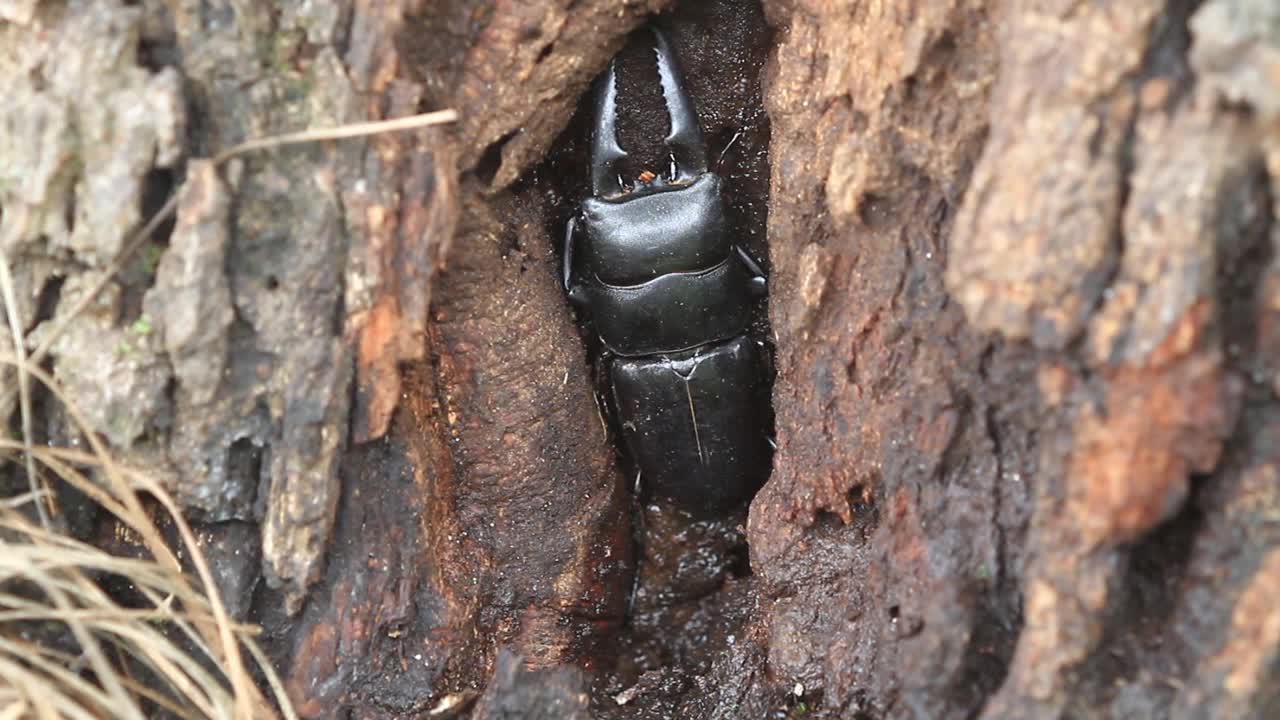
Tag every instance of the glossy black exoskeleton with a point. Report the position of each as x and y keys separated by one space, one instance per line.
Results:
x=670 y=295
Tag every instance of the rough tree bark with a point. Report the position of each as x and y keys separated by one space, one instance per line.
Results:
x=1025 y=306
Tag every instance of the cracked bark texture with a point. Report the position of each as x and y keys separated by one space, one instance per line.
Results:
x=1025 y=304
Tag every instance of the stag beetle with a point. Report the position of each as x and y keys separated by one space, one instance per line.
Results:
x=670 y=296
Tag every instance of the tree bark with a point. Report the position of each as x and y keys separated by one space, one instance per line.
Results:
x=1024 y=309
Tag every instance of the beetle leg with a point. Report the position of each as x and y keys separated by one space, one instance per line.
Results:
x=759 y=281
x=567 y=270
x=577 y=295
x=688 y=152
x=606 y=153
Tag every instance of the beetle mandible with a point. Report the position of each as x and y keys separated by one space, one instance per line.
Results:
x=670 y=296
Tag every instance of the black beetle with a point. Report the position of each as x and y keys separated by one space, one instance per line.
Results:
x=670 y=296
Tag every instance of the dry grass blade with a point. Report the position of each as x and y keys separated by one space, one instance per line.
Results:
x=12 y=708
x=10 y=298
x=378 y=127
x=56 y=663
x=39 y=669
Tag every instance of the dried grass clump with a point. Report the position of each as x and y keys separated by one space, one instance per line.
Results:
x=70 y=649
